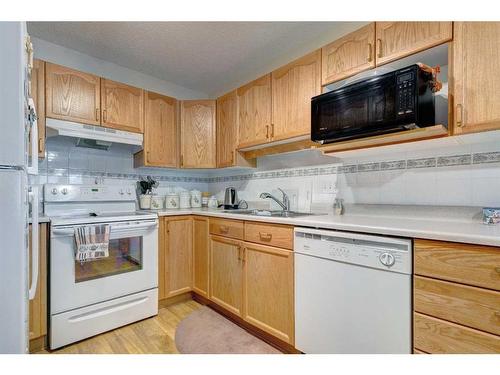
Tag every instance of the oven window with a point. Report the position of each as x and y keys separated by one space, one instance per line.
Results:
x=125 y=255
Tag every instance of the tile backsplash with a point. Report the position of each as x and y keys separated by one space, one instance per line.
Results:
x=455 y=176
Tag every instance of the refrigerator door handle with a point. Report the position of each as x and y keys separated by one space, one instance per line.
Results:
x=34 y=243
x=33 y=166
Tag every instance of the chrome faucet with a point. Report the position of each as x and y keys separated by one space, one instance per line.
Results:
x=285 y=205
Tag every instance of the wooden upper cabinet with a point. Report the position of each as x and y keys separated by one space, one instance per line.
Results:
x=227 y=129
x=293 y=86
x=72 y=95
x=198 y=147
x=122 y=106
x=349 y=55
x=475 y=75
x=254 y=112
x=38 y=95
x=399 y=39
x=160 y=132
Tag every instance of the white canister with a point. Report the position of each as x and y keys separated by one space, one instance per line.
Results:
x=185 y=199
x=157 y=202
x=145 y=201
x=195 y=198
x=213 y=203
x=172 y=201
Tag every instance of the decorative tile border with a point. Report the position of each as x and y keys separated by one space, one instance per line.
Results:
x=445 y=161
x=421 y=163
x=486 y=157
x=432 y=162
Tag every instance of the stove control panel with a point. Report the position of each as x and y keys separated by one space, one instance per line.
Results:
x=86 y=193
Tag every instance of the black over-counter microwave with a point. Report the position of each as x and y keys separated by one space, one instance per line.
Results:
x=387 y=103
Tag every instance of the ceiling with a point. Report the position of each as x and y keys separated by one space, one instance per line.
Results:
x=209 y=57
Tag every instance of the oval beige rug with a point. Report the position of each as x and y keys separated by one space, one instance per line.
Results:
x=206 y=332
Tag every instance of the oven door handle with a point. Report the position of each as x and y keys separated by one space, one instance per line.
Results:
x=114 y=229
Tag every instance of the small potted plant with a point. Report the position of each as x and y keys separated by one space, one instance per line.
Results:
x=145 y=187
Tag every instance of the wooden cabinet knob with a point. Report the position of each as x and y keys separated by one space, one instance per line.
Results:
x=224 y=229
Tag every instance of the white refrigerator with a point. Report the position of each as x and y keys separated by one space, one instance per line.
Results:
x=17 y=126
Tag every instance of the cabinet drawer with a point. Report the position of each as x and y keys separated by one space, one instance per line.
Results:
x=434 y=335
x=269 y=234
x=467 y=305
x=463 y=263
x=227 y=228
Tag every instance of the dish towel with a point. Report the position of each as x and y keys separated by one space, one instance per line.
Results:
x=92 y=242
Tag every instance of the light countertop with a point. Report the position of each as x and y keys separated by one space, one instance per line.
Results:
x=438 y=223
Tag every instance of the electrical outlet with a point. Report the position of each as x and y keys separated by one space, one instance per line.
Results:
x=327 y=185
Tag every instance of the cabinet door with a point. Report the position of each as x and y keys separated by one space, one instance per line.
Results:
x=122 y=106
x=254 y=112
x=72 y=95
x=200 y=255
x=198 y=145
x=38 y=95
x=226 y=274
x=179 y=256
x=400 y=39
x=38 y=305
x=349 y=55
x=160 y=131
x=227 y=129
x=268 y=290
x=475 y=72
x=293 y=86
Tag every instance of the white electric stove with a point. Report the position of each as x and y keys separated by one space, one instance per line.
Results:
x=96 y=296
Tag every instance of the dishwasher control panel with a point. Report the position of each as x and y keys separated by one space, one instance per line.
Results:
x=387 y=253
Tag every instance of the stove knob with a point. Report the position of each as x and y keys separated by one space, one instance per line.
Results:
x=64 y=191
x=121 y=192
x=54 y=191
x=129 y=192
x=387 y=259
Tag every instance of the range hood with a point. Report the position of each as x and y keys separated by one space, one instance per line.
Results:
x=91 y=136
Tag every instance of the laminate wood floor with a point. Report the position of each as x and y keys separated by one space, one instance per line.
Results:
x=150 y=336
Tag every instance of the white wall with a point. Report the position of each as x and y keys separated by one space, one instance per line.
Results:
x=64 y=56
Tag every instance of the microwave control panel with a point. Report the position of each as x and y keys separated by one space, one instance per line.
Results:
x=405 y=87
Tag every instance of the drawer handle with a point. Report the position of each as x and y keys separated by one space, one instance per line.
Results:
x=224 y=229
x=265 y=236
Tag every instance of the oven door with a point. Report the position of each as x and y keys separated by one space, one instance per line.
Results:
x=361 y=109
x=132 y=266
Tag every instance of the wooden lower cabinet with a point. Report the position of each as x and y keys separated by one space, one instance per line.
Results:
x=175 y=256
x=226 y=274
x=433 y=335
x=38 y=305
x=269 y=290
x=456 y=297
x=200 y=255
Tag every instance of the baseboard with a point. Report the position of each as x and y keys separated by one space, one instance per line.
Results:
x=175 y=299
x=39 y=344
x=264 y=336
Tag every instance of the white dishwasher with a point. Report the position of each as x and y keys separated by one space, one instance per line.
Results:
x=352 y=293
